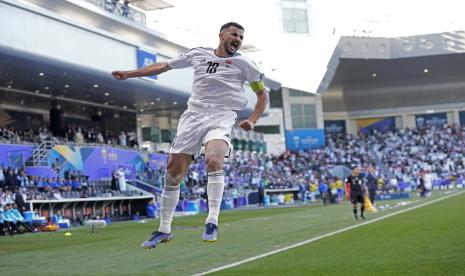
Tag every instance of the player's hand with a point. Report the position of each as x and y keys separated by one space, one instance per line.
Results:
x=120 y=75
x=246 y=125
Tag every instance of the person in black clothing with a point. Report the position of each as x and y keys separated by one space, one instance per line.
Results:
x=357 y=189
x=19 y=200
x=261 y=194
x=372 y=184
x=11 y=182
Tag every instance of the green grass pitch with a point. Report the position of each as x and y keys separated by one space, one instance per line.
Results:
x=429 y=240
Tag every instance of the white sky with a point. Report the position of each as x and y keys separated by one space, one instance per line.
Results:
x=300 y=61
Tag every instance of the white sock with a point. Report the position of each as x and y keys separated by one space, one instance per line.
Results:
x=169 y=201
x=215 y=189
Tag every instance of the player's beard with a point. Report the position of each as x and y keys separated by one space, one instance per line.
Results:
x=227 y=46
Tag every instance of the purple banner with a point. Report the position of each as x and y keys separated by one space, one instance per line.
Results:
x=14 y=156
x=97 y=162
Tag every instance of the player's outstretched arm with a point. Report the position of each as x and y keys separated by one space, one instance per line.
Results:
x=153 y=69
x=262 y=100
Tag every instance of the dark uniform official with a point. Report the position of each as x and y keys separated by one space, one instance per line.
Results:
x=357 y=189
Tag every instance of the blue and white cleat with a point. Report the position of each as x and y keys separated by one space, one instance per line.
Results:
x=157 y=238
x=211 y=231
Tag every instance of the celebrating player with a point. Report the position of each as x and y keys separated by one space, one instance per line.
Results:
x=217 y=94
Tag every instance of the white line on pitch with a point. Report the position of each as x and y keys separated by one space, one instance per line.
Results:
x=323 y=236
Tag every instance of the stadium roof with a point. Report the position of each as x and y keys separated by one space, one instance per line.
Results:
x=376 y=73
x=38 y=80
x=150 y=5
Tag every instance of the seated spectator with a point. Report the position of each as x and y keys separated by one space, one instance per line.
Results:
x=76 y=184
x=44 y=185
x=20 y=198
x=84 y=182
x=9 y=219
x=5 y=225
x=56 y=183
x=18 y=217
x=67 y=185
x=56 y=194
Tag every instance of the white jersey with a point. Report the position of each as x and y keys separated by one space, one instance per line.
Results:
x=218 y=82
x=428 y=181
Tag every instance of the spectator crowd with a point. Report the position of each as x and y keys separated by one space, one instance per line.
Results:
x=398 y=160
x=73 y=134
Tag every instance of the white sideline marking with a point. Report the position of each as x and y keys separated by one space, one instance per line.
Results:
x=323 y=236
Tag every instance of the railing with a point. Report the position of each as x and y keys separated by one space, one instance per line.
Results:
x=41 y=152
x=115 y=7
x=57 y=141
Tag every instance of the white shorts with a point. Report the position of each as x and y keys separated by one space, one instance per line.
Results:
x=197 y=127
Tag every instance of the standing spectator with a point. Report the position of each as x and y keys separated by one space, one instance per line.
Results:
x=394 y=183
x=281 y=199
x=125 y=11
x=234 y=194
x=132 y=139
x=324 y=192
x=79 y=137
x=372 y=184
x=100 y=138
x=2 y=178
x=121 y=179
x=114 y=179
x=56 y=167
x=261 y=193
x=23 y=180
x=122 y=139
x=11 y=182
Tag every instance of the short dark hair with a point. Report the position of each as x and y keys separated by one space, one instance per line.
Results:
x=231 y=24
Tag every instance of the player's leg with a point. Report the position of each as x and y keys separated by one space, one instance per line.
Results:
x=354 y=210
x=178 y=163
x=361 y=200
x=217 y=144
x=215 y=151
x=353 y=200
x=372 y=195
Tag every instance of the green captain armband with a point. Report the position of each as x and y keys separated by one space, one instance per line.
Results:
x=257 y=86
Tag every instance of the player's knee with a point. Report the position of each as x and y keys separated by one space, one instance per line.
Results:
x=172 y=180
x=214 y=162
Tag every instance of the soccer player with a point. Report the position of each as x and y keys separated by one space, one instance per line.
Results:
x=357 y=188
x=217 y=94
